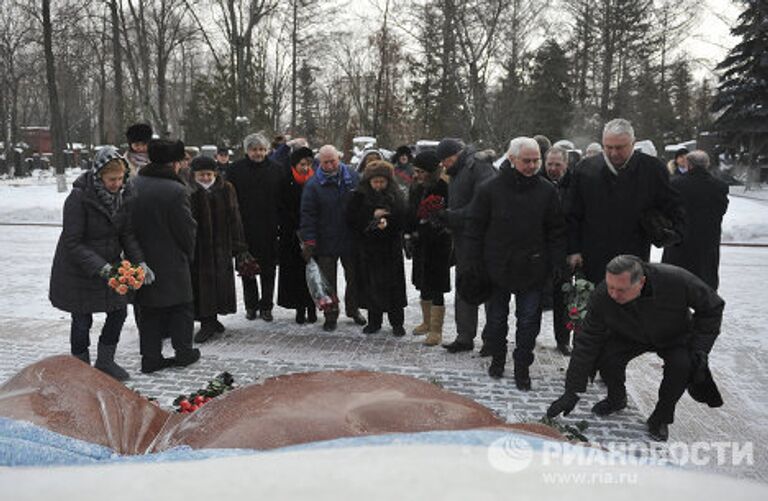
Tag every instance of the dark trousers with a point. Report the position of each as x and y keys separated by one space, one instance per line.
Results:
x=619 y=352
x=396 y=317
x=177 y=321
x=464 y=313
x=328 y=267
x=80 y=330
x=559 y=314
x=527 y=324
x=254 y=301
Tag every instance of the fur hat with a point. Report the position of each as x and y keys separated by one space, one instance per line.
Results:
x=378 y=168
x=163 y=151
x=403 y=150
x=222 y=150
x=202 y=163
x=300 y=154
x=104 y=156
x=681 y=152
x=139 y=133
x=427 y=161
x=448 y=147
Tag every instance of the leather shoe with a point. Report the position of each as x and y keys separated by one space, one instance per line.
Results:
x=371 y=329
x=398 y=331
x=605 y=407
x=329 y=325
x=523 y=379
x=149 y=365
x=205 y=333
x=658 y=431
x=266 y=315
x=456 y=347
x=219 y=327
x=250 y=314
x=358 y=318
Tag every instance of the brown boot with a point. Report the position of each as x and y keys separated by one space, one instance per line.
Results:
x=436 y=318
x=420 y=330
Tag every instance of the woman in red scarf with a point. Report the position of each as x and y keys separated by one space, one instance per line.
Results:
x=292 y=289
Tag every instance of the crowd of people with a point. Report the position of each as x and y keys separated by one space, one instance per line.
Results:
x=521 y=229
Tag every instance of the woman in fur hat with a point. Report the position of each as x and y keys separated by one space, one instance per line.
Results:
x=376 y=214
x=138 y=136
x=219 y=239
x=95 y=234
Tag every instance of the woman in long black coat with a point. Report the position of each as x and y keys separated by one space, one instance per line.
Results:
x=96 y=231
x=292 y=289
x=376 y=214
x=219 y=239
x=429 y=244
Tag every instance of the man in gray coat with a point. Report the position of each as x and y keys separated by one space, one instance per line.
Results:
x=467 y=170
x=166 y=231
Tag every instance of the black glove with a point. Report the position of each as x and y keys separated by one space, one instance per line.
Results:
x=669 y=238
x=564 y=405
x=243 y=258
x=699 y=366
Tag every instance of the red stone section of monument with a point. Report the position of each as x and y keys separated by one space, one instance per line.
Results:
x=65 y=395
x=308 y=407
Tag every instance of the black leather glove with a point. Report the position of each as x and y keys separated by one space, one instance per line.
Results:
x=699 y=366
x=564 y=405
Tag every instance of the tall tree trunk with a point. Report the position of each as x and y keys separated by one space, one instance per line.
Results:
x=294 y=43
x=57 y=133
x=608 y=53
x=117 y=63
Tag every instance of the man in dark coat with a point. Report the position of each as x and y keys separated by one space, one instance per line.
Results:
x=467 y=170
x=292 y=291
x=705 y=200
x=219 y=239
x=611 y=196
x=257 y=181
x=165 y=230
x=642 y=308
x=324 y=231
x=556 y=170
x=516 y=227
x=222 y=161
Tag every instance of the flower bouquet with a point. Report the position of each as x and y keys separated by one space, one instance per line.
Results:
x=319 y=290
x=577 y=292
x=429 y=207
x=125 y=276
x=222 y=383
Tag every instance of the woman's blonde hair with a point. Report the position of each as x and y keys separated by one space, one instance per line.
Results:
x=114 y=165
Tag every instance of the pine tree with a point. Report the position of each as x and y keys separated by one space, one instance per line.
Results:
x=308 y=110
x=683 y=127
x=742 y=95
x=549 y=98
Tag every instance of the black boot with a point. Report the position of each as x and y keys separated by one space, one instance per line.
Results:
x=266 y=315
x=311 y=314
x=657 y=430
x=219 y=327
x=84 y=356
x=300 y=316
x=105 y=362
x=522 y=379
x=329 y=325
x=371 y=328
x=187 y=357
x=398 y=331
x=250 y=314
x=152 y=364
x=496 y=370
x=607 y=406
x=206 y=332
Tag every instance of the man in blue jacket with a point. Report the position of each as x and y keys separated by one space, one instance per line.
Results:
x=323 y=228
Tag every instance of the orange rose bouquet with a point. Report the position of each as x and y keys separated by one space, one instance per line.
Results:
x=125 y=277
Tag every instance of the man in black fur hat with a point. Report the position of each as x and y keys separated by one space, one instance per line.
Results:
x=165 y=230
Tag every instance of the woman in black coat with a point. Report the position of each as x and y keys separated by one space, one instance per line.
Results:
x=219 y=239
x=292 y=289
x=429 y=244
x=376 y=214
x=96 y=231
